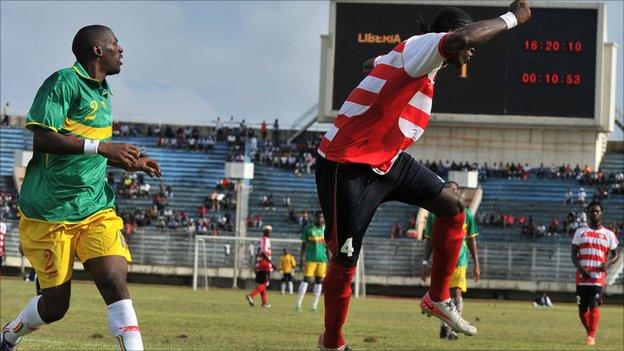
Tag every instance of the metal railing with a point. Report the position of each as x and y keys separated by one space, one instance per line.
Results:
x=533 y=262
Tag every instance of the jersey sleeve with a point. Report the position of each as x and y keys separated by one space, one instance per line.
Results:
x=613 y=241
x=304 y=233
x=472 y=224
x=428 y=233
x=51 y=104
x=576 y=237
x=264 y=245
x=423 y=54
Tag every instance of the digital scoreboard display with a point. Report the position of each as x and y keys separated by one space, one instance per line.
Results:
x=546 y=67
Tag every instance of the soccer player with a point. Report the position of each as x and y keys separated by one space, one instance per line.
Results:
x=3 y=230
x=361 y=162
x=287 y=266
x=67 y=208
x=264 y=267
x=591 y=247
x=315 y=250
x=458 y=278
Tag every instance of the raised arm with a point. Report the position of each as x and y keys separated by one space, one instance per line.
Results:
x=480 y=32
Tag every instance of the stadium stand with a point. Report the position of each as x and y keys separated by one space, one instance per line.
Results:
x=193 y=175
x=612 y=162
x=12 y=139
x=302 y=191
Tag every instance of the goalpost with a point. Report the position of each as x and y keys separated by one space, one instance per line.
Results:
x=234 y=258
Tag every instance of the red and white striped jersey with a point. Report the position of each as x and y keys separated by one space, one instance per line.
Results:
x=390 y=108
x=594 y=246
x=264 y=245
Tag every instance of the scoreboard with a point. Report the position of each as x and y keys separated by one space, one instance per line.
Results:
x=549 y=67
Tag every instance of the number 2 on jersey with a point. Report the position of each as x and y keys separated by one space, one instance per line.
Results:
x=347 y=247
x=94 y=108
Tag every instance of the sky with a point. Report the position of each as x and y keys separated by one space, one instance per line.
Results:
x=189 y=62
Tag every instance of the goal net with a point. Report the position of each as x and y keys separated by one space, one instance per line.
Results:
x=234 y=258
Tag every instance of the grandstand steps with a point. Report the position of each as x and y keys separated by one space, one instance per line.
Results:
x=302 y=192
x=612 y=162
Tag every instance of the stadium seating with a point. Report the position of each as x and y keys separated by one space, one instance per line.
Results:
x=612 y=162
x=302 y=191
x=12 y=139
x=540 y=198
x=191 y=175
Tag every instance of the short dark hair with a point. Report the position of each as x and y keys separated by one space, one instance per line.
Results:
x=88 y=36
x=594 y=203
x=450 y=19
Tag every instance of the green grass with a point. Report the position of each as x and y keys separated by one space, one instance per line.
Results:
x=177 y=318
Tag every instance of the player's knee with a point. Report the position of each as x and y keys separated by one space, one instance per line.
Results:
x=318 y=280
x=54 y=309
x=309 y=280
x=451 y=204
x=114 y=286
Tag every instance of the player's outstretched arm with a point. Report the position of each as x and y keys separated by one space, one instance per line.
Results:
x=54 y=143
x=480 y=32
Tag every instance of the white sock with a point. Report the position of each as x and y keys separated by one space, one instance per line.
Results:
x=317 y=295
x=123 y=324
x=283 y=288
x=303 y=288
x=26 y=322
x=290 y=287
x=459 y=304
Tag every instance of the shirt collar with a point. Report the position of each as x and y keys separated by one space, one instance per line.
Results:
x=82 y=73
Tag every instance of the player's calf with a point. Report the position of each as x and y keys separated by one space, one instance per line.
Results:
x=123 y=324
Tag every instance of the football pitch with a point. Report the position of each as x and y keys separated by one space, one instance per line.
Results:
x=177 y=318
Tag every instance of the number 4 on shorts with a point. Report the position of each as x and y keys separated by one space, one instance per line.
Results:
x=347 y=247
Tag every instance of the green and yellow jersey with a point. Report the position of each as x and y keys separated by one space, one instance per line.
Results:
x=470 y=231
x=314 y=238
x=69 y=188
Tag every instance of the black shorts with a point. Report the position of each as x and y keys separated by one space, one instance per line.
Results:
x=588 y=296
x=287 y=277
x=263 y=277
x=349 y=194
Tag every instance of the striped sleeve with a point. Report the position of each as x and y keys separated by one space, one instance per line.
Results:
x=421 y=55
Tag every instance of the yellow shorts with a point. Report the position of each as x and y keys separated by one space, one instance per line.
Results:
x=52 y=247
x=458 y=279
x=315 y=269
